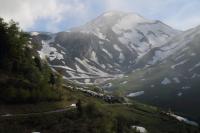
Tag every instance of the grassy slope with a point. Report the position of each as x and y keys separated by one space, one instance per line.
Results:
x=100 y=118
x=70 y=97
x=164 y=96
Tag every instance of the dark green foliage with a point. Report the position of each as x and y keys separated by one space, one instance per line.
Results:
x=79 y=107
x=38 y=63
x=52 y=79
x=23 y=76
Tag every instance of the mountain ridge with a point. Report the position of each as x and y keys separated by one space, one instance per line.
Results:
x=107 y=46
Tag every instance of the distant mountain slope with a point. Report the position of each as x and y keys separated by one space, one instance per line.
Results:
x=105 y=47
x=169 y=75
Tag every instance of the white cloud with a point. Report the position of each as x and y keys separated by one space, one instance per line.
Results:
x=180 y=14
x=27 y=12
x=186 y=17
x=145 y=6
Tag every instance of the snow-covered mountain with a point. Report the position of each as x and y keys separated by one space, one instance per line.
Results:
x=129 y=30
x=177 y=46
x=107 y=46
x=168 y=76
x=143 y=58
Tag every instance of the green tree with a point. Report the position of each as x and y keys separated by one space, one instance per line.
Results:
x=31 y=79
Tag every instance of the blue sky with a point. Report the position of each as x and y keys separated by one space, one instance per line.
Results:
x=59 y=15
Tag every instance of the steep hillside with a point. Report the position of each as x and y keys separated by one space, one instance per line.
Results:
x=168 y=76
x=107 y=46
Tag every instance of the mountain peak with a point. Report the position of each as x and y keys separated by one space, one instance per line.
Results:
x=120 y=15
x=112 y=13
x=111 y=18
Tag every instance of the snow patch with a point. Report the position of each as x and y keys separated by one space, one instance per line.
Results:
x=194 y=67
x=121 y=57
x=90 y=68
x=139 y=129
x=48 y=51
x=100 y=42
x=109 y=54
x=116 y=47
x=185 y=87
x=99 y=34
x=178 y=64
x=108 y=14
x=152 y=86
x=166 y=81
x=135 y=94
x=182 y=119
x=94 y=57
x=193 y=54
x=63 y=67
x=108 y=85
x=124 y=82
x=176 y=80
x=128 y=22
x=87 y=81
x=34 y=33
x=179 y=57
x=79 y=69
x=195 y=75
x=180 y=94
x=73 y=105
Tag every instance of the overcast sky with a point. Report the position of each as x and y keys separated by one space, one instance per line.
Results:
x=59 y=15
